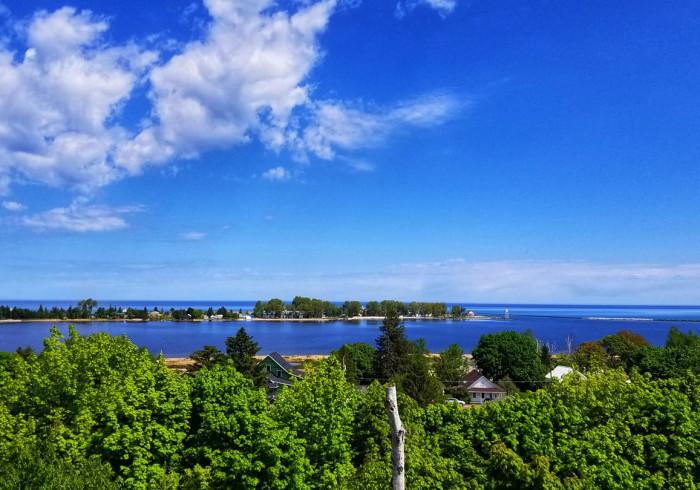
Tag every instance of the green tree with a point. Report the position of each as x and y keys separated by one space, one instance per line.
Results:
x=622 y=347
x=319 y=409
x=510 y=354
x=457 y=311
x=37 y=468
x=373 y=309
x=207 y=357
x=101 y=396
x=242 y=349
x=590 y=356
x=87 y=305
x=234 y=442
x=451 y=366
x=546 y=357
x=419 y=381
x=668 y=362
x=392 y=357
x=358 y=362
x=676 y=338
x=352 y=308
x=275 y=307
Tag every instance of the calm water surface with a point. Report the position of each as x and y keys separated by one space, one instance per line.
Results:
x=548 y=323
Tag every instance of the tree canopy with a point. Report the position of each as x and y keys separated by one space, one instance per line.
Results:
x=98 y=412
x=510 y=354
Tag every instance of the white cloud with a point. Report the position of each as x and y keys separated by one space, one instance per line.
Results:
x=245 y=79
x=483 y=282
x=443 y=7
x=13 y=206
x=358 y=165
x=193 y=236
x=277 y=174
x=338 y=125
x=80 y=216
x=242 y=81
x=57 y=101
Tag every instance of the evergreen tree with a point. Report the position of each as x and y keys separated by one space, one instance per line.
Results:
x=208 y=357
x=357 y=361
x=242 y=350
x=393 y=348
x=419 y=382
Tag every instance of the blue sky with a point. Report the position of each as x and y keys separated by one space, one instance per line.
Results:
x=490 y=151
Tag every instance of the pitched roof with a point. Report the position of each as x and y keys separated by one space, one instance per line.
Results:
x=559 y=372
x=478 y=383
x=283 y=363
x=472 y=376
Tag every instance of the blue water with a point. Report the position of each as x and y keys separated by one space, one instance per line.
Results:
x=549 y=323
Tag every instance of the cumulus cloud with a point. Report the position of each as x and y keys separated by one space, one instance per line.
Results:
x=277 y=174
x=442 y=7
x=80 y=216
x=242 y=81
x=193 y=236
x=57 y=100
x=245 y=79
x=13 y=206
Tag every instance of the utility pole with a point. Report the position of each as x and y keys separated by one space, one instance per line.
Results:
x=398 y=434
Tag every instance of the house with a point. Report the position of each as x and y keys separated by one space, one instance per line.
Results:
x=481 y=389
x=279 y=371
x=559 y=372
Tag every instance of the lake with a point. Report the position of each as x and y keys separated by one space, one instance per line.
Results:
x=549 y=323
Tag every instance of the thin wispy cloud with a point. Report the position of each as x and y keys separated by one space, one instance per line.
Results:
x=193 y=236
x=495 y=281
x=507 y=281
x=339 y=125
x=13 y=206
x=442 y=7
x=80 y=216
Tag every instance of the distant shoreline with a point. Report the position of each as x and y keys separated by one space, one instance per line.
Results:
x=244 y=320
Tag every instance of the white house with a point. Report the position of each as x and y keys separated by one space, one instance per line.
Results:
x=481 y=389
x=559 y=372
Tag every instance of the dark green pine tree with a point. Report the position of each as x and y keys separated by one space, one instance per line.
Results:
x=242 y=349
x=393 y=348
x=208 y=357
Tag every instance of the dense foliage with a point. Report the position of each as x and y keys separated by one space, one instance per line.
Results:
x=511 y=355
x=302 y=307
x=98 y=412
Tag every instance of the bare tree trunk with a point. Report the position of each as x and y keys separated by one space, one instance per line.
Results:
x=398 y=434
x=569 y=343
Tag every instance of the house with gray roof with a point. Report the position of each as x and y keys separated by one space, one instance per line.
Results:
x=481 y=389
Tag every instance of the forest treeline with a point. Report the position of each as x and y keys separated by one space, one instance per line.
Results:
x=300 y=307
x=88 y=309
x=99 y=412
x=303 y=307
